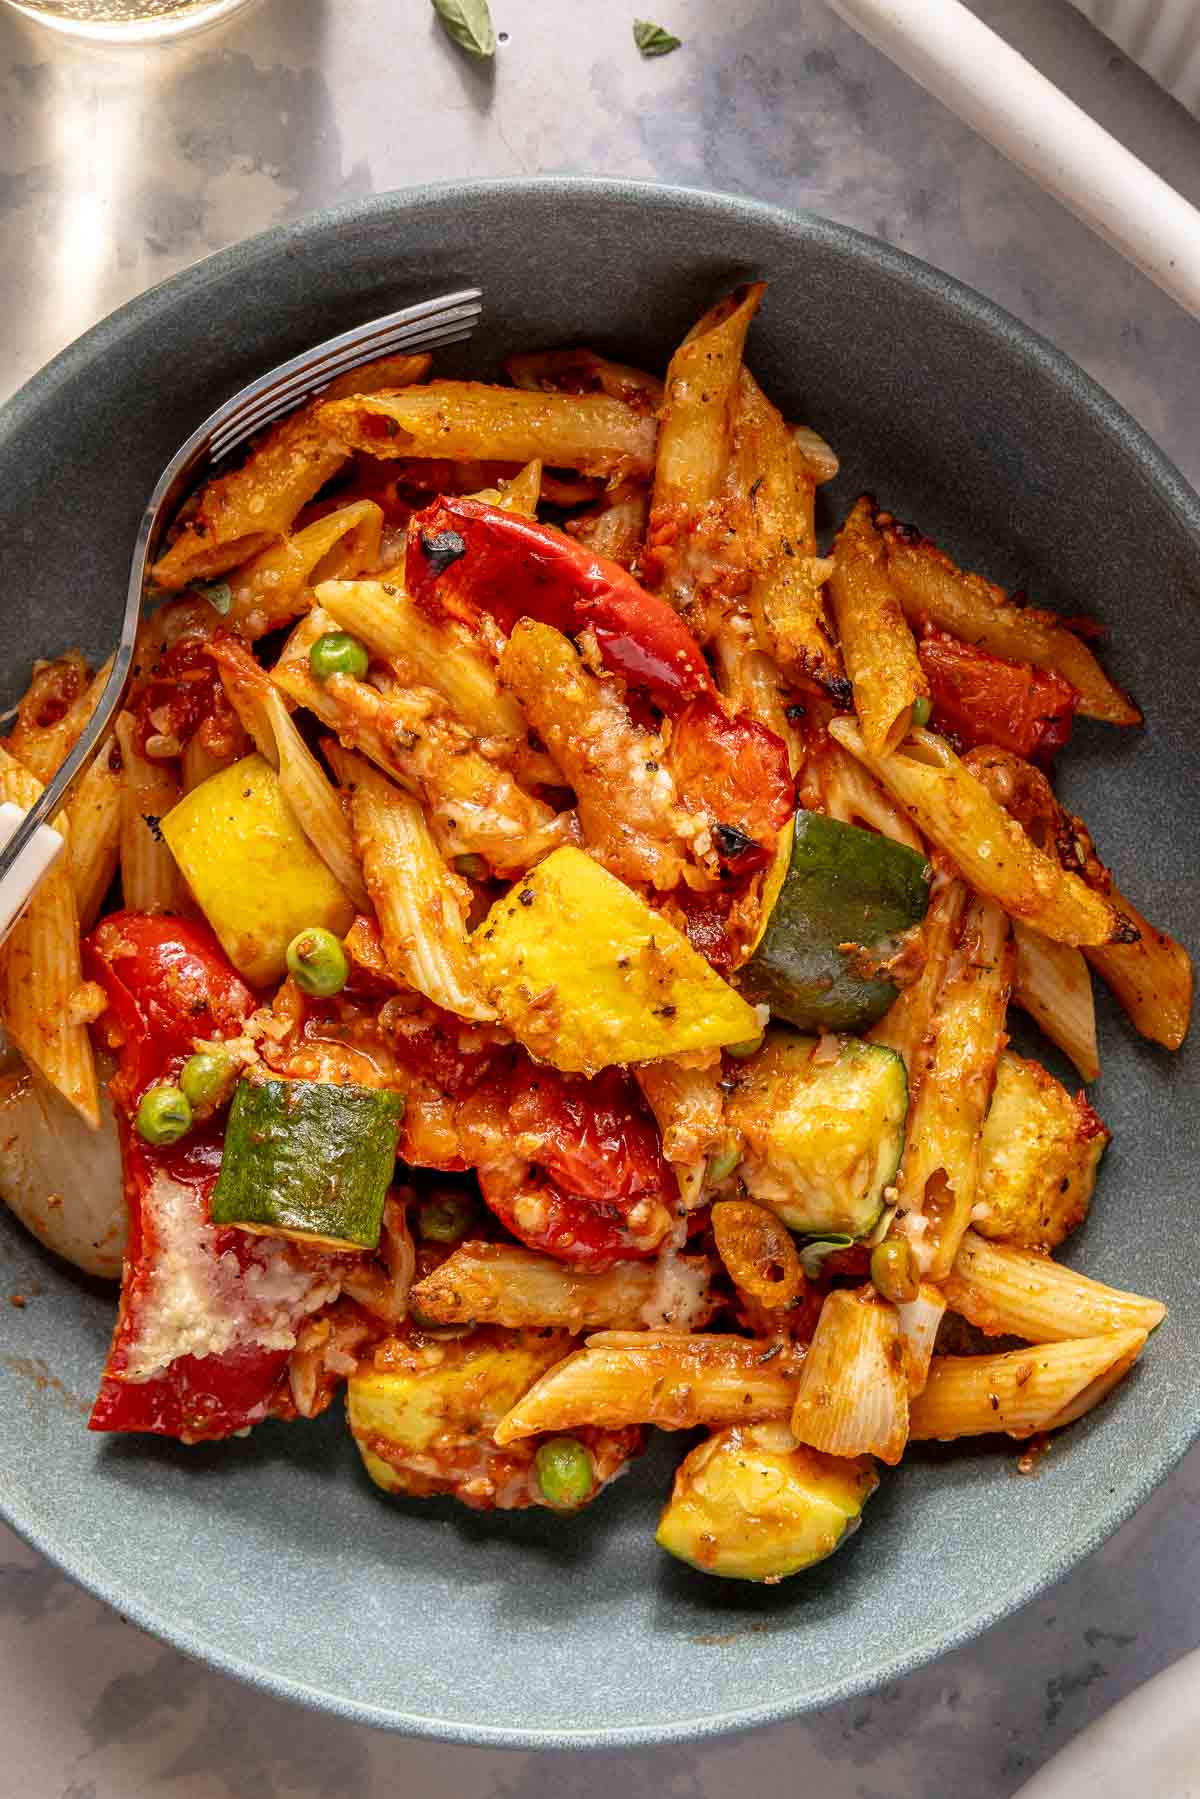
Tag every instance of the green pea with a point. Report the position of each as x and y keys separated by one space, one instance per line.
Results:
x=922 y=708
x=894 y=1270
x=471 y=867
x=722 y=1164
x=337 y=653
x=164 y=1115
x=564 y=1471
x=445 y=1217
x=205 y=1076
x=749 y=1046
x=317 y=962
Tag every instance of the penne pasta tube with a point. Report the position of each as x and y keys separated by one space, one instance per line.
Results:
x=853 y=796
x=688 y=1107
x=696 y=433
x=1052 y=983
x=198 y=762
x=237 y=515
x=1151 y=980
x=1007 y=1291
x=877 y=644
x=852 y=1397
x=616 y=526
x=929 y=586
x=673 y=1379
x=497 y=1283
x=1023 y=1391
x=775 y=486
x=94 y=844
x=472 y=421
x=908 y=1024
x=425 y=654
x=474 y=806
x=422 y=907
x=53 y=712
x=940 y=1172
x=753 y=683
x=955 y=811
x=273 y=588
x=583 y=371
x=41 y=972
x=150 y=879
x=920 y=1319
x=311 y=795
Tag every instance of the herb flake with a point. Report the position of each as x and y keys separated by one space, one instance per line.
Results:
x=219 y=595
x=653 y=40
x=469 y=24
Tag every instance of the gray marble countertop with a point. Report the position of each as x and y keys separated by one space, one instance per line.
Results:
x=116 y=169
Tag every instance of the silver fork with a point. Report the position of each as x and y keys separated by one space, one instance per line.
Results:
x=31 y=848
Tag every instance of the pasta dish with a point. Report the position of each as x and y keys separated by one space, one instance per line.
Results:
x=534 y=962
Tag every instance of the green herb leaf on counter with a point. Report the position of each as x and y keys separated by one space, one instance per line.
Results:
x=651 y=40
x=469 y=23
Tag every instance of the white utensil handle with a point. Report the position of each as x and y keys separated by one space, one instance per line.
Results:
x=38 y=857
x=990 y=85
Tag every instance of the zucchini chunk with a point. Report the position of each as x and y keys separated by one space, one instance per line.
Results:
x=585 y=974
x=309 y=1160
x=750 y=1503
x=424 y=1412
x=1038 y=1158
x=838 y=919
x=822 y=1137
x=254 y=874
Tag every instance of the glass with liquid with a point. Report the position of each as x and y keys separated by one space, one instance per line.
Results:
x=128 y=21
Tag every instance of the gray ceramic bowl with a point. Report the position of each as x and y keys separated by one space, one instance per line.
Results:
x=273 y=1558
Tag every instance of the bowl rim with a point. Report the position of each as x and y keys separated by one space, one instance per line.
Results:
x=1158 y=474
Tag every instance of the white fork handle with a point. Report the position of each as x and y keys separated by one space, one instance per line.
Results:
x=992 y=87
x=35 y=860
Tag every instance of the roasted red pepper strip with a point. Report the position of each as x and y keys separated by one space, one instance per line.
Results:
x=465 y=557
x=979 y=698
x=599 y=1189
x=167 y=981
x=737 y=772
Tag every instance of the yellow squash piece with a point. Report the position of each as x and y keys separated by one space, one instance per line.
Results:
x=1038 y=1158
x=585 y=974
x=424 y=1423
x=253 y=872
x=750 y=1503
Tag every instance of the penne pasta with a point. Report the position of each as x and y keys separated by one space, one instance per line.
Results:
x=474 y=806
x=673 y=1379
x=236 y=515
x=53 y=712
x=310 y=794
x=954 y=810
x=1052 y=983
x=877 y=644
x=1023 y=1391
x=628 y=807
x=583 y=371
x=920 y=1320
x=150 y=879
x=198 y=762
x=852 y=1397
x=94 y=845
x=497 y=1283
x=775 y=485
x=908 y=1025
x=1151 y=980
x=929 y=586
x=471 y=421
x=696 y=434
x=688 y=1107
x=940 y=1171
x=1007 y=1291
x=40 y=970
x=422 y=907
x=424 y=654
x=274 y=587
x=851 y=795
